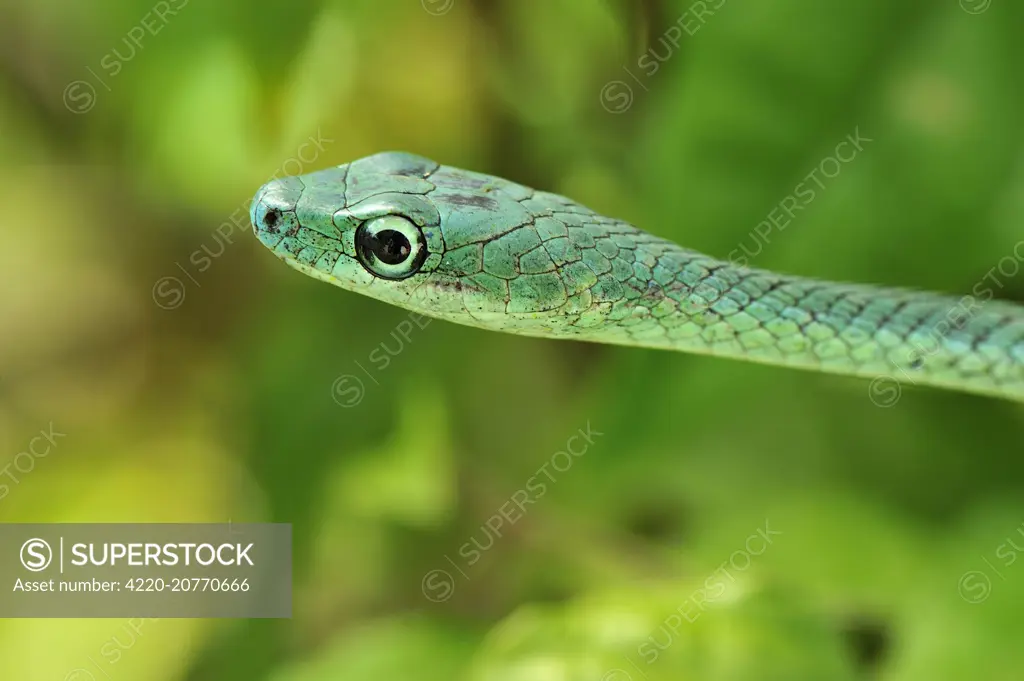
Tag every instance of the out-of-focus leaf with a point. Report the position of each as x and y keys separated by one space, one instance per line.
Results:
x=550 y=81
x=665 y=634
x=384 y=650
x=411 y=478
x=205 y=151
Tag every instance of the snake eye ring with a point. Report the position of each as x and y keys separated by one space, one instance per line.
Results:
x=390 y=247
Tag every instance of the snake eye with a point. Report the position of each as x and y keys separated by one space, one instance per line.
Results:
x=390 y=247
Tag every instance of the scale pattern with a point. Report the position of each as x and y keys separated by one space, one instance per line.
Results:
x=509 y=258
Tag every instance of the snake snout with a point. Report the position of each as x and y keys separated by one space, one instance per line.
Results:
x=273 y=212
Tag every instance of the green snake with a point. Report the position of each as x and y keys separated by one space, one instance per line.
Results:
x=486 y=252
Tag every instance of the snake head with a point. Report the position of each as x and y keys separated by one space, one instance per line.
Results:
x=401 y=228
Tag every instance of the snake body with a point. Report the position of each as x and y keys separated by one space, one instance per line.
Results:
x=486 y=252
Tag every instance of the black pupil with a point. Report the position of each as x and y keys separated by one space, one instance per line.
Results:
x=391 y=247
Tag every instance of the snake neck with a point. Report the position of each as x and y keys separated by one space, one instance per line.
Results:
x=683 y=300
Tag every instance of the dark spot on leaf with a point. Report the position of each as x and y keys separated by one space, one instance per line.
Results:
x=658 y=522
x=869 y=640
x=554 y=589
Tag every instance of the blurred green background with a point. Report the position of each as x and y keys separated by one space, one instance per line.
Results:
x=725 y=521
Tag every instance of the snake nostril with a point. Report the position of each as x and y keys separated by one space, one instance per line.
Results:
x=271 y=219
